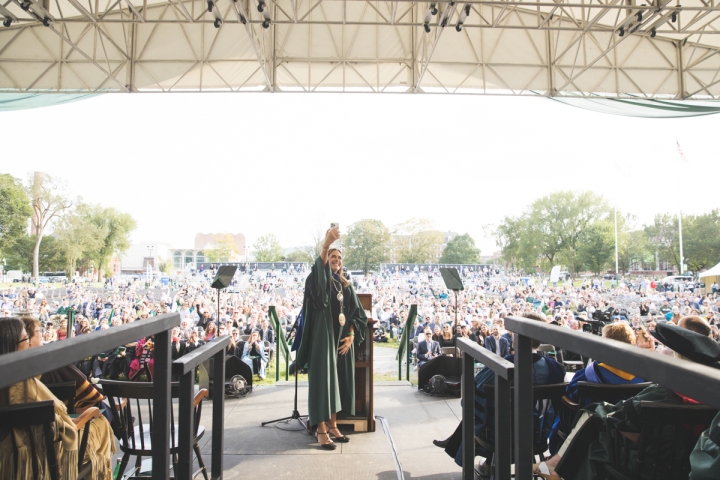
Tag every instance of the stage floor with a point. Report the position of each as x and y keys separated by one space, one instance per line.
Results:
x=414 y=420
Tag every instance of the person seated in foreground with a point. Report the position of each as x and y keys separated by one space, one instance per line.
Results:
x=546 y=371
x=599 y=372
x=101 y=444
x=584 y=458
x=427 y=349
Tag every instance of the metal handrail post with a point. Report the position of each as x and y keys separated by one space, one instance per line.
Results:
x=468 y=417
x=160 y=434
x=185 y=367
x=523 y=407
x=186 y=426
x=503 y=375
x=218 y=433
x=503 y=439
x=412 y=315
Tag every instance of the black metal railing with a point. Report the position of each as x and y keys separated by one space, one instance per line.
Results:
x=18 y=366
x=185 y=367
x=697 y=381
x=503 y=379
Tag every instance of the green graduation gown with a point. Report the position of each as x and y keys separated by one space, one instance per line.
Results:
x=331 y=376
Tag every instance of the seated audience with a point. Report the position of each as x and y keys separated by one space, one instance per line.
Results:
x=427 y=349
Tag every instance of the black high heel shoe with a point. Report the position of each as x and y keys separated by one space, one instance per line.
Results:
x=341 y=438
x=328 y=446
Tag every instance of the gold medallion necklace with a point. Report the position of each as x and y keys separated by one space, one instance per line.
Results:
x=340 y=297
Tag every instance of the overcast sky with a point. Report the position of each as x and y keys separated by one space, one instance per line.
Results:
x=291 y=163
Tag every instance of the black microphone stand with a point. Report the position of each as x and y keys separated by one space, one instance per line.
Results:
x=301 y=419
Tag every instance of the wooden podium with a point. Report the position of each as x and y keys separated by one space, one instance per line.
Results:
x=364 y=418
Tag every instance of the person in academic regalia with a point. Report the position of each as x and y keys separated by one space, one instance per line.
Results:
x=584 y=453
x=334 y=324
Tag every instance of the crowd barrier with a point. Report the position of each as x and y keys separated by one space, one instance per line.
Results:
x=694 y=380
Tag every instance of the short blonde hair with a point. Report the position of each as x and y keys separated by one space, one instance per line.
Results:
x=620 y=331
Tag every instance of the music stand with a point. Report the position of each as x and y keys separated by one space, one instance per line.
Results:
x=453 y=282
x=222 y=280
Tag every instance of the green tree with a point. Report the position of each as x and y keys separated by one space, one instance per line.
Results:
x=50 y=259
x=116 y=227
x=365 y=245
x=300 y=255
x=551 y=227
x=701 y=240
x=223 y=250
x=15 y=211
x=77 y=236
x=596 y=246
x=48 y=201
x=165 y=266
x=518 y=251
x=417 y=241
x=662 y=236
x=268 y=249
x=461 y=249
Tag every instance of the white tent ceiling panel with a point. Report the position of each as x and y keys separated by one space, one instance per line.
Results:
x=28 y=46
x=26 y=73
x=161 y=47
x=292 y=41
x=212 y=80
x=162 y=75
x=232 y=43
x=703 y=83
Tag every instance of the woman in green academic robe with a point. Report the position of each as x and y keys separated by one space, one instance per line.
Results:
x=334 y=324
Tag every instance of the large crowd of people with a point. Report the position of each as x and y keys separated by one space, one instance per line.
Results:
x=241 y=312
x=481 y=307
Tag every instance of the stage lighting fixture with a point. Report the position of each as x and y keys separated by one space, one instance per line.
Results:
x=9 y=17
x=659 y=22
x=212 y=8
x=463 y=16
x=433 y=8
x=36 y=11
x=262 y=8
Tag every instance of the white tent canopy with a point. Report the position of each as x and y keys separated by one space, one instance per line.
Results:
x=560 y=48
x=713 y=272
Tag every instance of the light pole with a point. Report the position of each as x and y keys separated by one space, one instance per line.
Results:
x=150 y=265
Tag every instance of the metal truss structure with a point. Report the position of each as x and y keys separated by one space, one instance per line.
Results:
x=605 y=48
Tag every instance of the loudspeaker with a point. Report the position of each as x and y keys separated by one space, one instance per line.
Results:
x=224 y=276
x=449 y=367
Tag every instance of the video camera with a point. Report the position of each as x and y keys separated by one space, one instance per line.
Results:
x=596 y=324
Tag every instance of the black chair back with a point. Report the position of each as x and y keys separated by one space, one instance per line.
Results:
x=33 y=414
x=65 y=392
x=668 y=435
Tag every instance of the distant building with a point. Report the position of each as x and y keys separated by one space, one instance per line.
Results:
x=137 y=258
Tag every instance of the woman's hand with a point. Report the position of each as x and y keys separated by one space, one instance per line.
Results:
x=345 y=345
